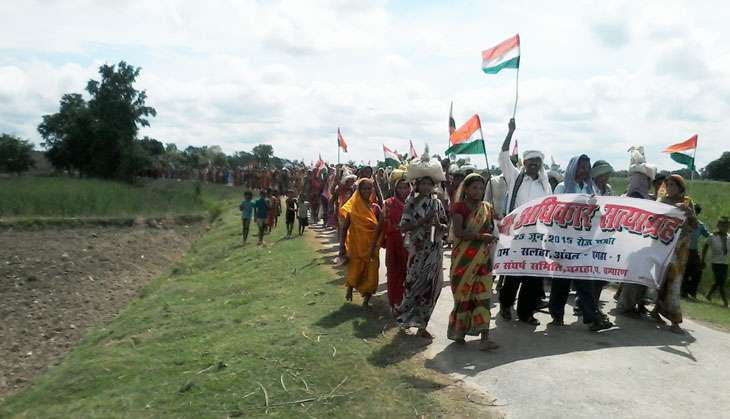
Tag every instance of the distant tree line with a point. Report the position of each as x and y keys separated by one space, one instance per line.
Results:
x=98 y=137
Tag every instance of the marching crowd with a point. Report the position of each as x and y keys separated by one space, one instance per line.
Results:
x=417 y=210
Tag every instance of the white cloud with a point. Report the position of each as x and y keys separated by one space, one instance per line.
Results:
x=596 y=77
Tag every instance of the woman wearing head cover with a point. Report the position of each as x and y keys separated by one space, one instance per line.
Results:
x=577 y=180
x=423 y=222
x=600 y=173
x=396 y=255
x=631 y=297
x=358 y=232
x=668 y=296
x=471 y=263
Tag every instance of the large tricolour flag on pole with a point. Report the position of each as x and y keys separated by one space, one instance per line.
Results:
x=504 y=55
x=341 y=141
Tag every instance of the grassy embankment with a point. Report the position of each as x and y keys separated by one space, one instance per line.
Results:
x=242 y=332
x=29 y=196
x=714 y=198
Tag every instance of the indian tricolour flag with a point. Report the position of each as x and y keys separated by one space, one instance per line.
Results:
x=504 y=55
x=391 y=157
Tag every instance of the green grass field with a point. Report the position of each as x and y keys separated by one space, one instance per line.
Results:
x=29 y=196
x=231 y=330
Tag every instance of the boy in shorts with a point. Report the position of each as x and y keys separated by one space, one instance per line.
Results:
x=246 y=208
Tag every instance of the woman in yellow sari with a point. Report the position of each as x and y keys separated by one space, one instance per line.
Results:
x=471 y=263
x=358 y=232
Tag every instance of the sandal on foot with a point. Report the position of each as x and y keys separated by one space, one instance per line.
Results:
x=488 y=346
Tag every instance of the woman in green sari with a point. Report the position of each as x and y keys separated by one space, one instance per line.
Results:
x=471 y=263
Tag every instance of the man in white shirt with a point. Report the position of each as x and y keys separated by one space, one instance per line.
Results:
x=522 y=186
x=718 y=243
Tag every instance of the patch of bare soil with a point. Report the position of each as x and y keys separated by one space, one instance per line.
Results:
x=57 y=283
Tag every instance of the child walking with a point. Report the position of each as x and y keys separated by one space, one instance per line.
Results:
x=291 y=212
x=303 y=213
x=246 y=208
x=261 y=212
x=718 y=244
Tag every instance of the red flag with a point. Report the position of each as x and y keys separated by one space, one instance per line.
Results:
x=465 y=131
x=690 y=144
x=412 y=152
x=341 y=141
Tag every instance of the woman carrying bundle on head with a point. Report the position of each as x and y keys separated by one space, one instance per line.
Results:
x=424 y=222
x=471 y=263
x=668 y=296
x=358 y=232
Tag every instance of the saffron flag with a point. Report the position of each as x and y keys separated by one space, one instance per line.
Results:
x=412 y=152
x=690 y=144
x=341 y=141
x=466 y=131
x=504 y=55
x=391 y=157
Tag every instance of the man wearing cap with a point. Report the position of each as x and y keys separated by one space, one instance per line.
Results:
x=522 y=186
x=718 y=243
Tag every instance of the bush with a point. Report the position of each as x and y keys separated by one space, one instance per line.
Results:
x=15 y=154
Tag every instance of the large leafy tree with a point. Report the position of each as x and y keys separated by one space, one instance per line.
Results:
x=263 y=153
x=99 y=137
x=719 y=169
x=15 y=154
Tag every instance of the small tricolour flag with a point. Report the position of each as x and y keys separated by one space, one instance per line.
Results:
x=466 y=131
x=412 y=152
x=504 y=55
x=682 y=158
x=341 y=141
x=391 y=157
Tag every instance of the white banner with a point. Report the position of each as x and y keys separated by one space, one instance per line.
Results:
x=589 y=237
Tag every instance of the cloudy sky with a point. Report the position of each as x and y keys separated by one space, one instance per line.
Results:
x=596 y=77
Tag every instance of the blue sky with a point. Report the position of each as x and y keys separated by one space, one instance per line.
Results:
x=596 y=77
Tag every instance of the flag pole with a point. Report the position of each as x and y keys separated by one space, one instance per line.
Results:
x=517 y=90
x=451 y=111
x=694 y=164
x=486 y=159
x=338 y=145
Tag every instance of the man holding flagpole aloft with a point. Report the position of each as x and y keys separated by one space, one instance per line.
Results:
x=522 y=186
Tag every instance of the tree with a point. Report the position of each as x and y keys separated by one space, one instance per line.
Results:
x=719 y=169
x=68 y=135
x=15 y=154
x=263 y=153
x=99 y=137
